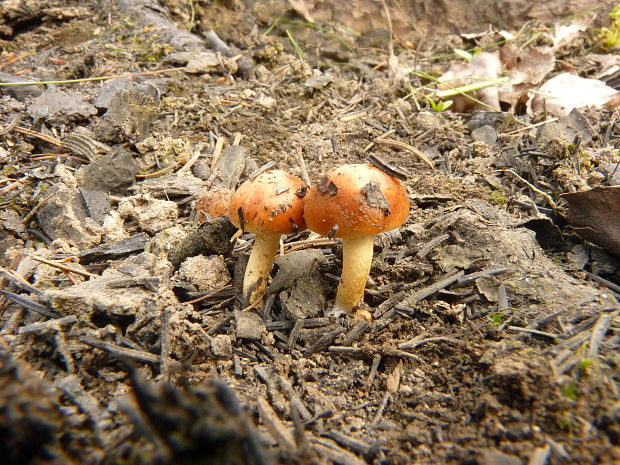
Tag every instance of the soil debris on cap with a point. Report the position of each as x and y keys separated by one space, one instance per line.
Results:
x=375 y=198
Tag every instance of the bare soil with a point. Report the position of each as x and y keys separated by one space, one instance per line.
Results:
x=124 y=339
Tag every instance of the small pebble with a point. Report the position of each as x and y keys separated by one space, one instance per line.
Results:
x=486 y=134
x=249 y=325
x=221 y=346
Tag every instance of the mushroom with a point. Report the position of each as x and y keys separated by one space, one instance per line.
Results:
x=213 y=204
x=269 y=205
x=355 y=202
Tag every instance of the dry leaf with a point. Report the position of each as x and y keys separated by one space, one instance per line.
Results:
x=482 y=67
x=564 y=35
x=527 y=69
x=301 y=7
x=595 y=216
x=393 y=379
x=561 y=94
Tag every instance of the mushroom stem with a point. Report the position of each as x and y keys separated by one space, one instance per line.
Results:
x=356 y=262
x=260 y=262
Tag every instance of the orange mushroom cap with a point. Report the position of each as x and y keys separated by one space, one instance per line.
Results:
x=215 y=203
x=271 y=202
x=359 y=199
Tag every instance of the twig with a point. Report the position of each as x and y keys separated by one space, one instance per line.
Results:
x=610 y=128
x=547 y=197
x=63 y=350
x=349 y=442
x=335 y=453
x=208 y=295
x=288 y=324
x=18 y=280
x=351 y=351
x=213 y=330
x=165 y=343
x=307 y=244
x=431 y=245
x=613 y=286
x=13 y=185
x=36 y=134
x=28 y=304
x=187 y=166
x=267 y=166
x=37 y=207
x=534 y=332
x=72 y=387
x=598 y=333
x=49 y=325
x=371 y=144
x=13 y=322
x=415 y=342
x=320 y=415
x=381 y=409
x=296 y=403
x=157 y=173
x=215 y=157
x=62 y=267
x=373 y=369
x=299 y=429
x=9 y=126
x=292 y=338
x=237 y=138
x=356 y=332
x=471 y=277
x=276 y=429
x=324 y=341
x=15 y=59
x=302 y=167
x=383 y=308
x=404 y=146
x=430 y=290
x=256 y=302
x=91 y=79
x=525 y=128
x=121 y=352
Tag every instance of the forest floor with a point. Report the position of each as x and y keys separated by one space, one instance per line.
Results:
x=495 y=333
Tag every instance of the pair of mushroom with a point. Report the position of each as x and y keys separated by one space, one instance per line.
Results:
x=353 y=202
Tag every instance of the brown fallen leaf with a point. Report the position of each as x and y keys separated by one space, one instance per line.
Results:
x=302 y=7
x=560 y=94
x=595 y=216
x=482 y=67
x=526 y=70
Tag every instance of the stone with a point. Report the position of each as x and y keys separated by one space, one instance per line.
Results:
x=65 y=216
x=58 y=107
x=221 y=346
x=19 y=92
x=151 y=215
x=486 y=134
x=206 y=273
x=109 y=173
x=114 y=86
x=495 y=457
x=196 y=62
x=249 y=325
